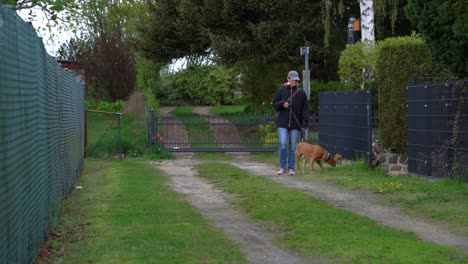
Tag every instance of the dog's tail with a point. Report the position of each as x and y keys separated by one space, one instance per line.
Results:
x=298 y=155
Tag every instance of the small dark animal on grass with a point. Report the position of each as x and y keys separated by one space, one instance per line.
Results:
x=313 y=153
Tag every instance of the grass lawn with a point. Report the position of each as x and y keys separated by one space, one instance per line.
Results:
x=227 y=110
x=443 y=202
x=127 y=217
x=314 y=228
x=103 y=135
x=182 y=110
x=126 y=213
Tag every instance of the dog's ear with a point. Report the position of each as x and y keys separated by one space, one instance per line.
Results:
x=338 y=158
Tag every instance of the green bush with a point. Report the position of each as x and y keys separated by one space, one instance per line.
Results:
x=268 y=134
x=156 y=152
x=399 y=58
x=264 y=107
x=353 y=60
x=200 y=85
x=259 y=81
x=151 y=101
x=116 y=106
x=148 y=80
x=317 y=87
x=96 y=92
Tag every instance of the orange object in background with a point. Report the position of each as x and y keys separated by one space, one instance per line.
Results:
x=357 y=25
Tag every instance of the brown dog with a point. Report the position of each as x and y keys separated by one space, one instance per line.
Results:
x=313 y=153
x=338 y=158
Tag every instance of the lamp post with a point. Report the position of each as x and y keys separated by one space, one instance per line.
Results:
x=306 y=73
x=306 y=80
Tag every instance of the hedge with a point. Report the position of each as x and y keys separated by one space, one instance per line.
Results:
x=399 y=58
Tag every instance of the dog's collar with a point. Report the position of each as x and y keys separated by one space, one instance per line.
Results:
x=328 y=157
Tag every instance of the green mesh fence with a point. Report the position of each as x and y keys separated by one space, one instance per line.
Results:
x=41 y=139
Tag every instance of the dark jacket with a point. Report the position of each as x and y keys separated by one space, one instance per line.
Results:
x=298 y=111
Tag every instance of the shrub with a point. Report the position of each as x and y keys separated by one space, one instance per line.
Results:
x=356 y=67
x=147 y=80
x=268 y=134
x=156 y=152
x=200 y=85
x=259 y=81
x=116 y=106
x=317 y=87
x=399 y=58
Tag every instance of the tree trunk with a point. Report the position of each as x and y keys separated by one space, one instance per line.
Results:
x=367 y=20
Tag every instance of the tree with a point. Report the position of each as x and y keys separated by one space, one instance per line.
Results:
x=266 y=31
x=109 y=63
x=176 y=30
x=71 y=50
x=235 y=31
x=444 y=26
x=199 y=85
x=367 y=20
x=50 y=7
x=105 y=46
x=389 y=19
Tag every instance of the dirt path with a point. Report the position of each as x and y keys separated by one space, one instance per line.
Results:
x=174 y=136
x=360 y=203
x=255 y=241
x=201 y=110
x=226 y=134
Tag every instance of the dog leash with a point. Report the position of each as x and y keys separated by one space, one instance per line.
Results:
x=292 y=95
x=302 y=132
x=297 y=121
x=295 y=118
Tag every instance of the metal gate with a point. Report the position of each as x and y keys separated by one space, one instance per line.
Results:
x=211 y=133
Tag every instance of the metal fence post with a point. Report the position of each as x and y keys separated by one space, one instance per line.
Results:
x=369 y=128
x=153 y=129
x=306 y=84
x=413 y=79
x=120 y=137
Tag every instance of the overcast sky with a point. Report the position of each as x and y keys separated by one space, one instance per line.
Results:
x=52 y=38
